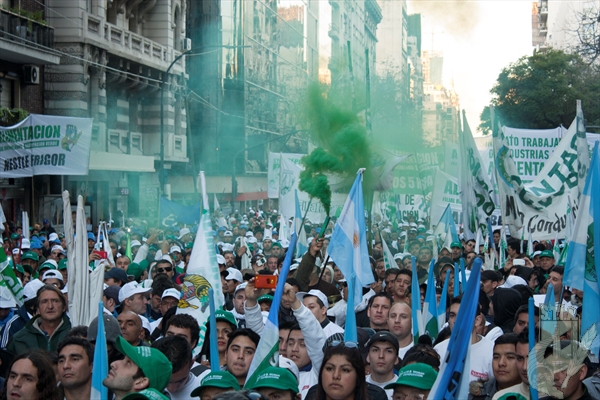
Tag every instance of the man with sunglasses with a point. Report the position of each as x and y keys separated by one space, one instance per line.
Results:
x=164 y=266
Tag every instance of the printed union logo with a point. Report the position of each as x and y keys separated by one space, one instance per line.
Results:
x=72 y=135
x=552 y=359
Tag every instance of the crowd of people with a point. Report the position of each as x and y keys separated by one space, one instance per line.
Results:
x=154 y=351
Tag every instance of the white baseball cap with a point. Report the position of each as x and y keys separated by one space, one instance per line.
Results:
x=52 y=274
x=234 y=274
x=25 y=244
x=7 y=303
x=171 y=293
x=183 y=232
x=30 y=290
x=53 y=237
x=220 y=259
x=313 y=292
x=135 y=243
x=57 y=247
x=130 y=289
x=175 y=249
x=239 y=287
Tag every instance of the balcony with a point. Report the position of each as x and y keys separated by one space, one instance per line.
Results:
x=24 y=40
x=543 y=27
x=130 y=45
x=334 y=31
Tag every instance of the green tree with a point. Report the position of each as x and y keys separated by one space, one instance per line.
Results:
x=540 y=91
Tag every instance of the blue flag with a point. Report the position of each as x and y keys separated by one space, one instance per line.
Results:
x=443 y=301
x=302 y=246
x=100 y=368
x=415 y=299
x=583 y=268
x=172 y=213
x=452 y=382
x=268 y=347
x=348 y=244
x=430 y=313
x=447 y=224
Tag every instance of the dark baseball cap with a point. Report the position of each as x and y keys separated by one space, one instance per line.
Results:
x=116 y=273
x=112 y=292
x=383 y=336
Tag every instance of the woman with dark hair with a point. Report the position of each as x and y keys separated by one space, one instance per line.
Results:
x=342 y=374
x=31 y=376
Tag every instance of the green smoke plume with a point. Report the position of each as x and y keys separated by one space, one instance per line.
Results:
x=343 y=146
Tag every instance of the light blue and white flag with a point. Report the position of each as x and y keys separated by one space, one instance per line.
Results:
x=447 y=225
x=582 y=267
x=453 y=379
x=348 y=244
x=302 y=245
x=267 y=352
x=430 y=313
x=418 y=327
x=442 y=306
x=100 y=367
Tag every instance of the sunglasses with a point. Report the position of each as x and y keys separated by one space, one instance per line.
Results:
x=352 y=345
x=161 y=270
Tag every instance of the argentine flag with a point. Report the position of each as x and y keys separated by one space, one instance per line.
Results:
x=267 y=352
x=348 y=244
x=100 y=368
x=583 y=268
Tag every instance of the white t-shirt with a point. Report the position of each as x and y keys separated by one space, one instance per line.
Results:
x=402 y=351
x=482 y=354
x=185 y=393
x=389 y=392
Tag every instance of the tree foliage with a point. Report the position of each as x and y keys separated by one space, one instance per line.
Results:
x=540 y=92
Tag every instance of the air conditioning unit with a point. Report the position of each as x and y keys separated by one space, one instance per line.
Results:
x=118 y=141
x=186 y=44
x=31 y=74
x=135 y=143
x=176 y=146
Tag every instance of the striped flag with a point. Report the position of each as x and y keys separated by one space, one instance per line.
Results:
x=452 y=381
x=447 y=225
x=100 y=367
x=443 y=300
x=202 y=273
x=418 y=327
x=430 y=313
x=9 y=279
x=348 y=244
x=268 y=348
x=583 y=268
x=302 y=246
x=388 y=257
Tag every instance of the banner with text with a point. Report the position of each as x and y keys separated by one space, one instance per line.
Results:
x=445 y=191
x=274 y=168
x=408 y=205
x=414 y=175
x=540 y=207
x=46 y=145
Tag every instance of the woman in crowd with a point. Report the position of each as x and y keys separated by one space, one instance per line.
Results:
x=342 y=374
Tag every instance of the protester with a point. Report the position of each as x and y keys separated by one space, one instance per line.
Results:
x=31 y=376
x=75 y=360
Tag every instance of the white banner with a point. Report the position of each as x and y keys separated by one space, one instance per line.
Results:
x=274 y=168
x=316 y=213
x=445 y=191
x=289 y=177
x=540 y=207
x=46 y=145
x=409 y=205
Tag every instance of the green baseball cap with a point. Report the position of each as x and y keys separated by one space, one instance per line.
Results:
x=151 y=361
x=51 y=264
x=136 y=270
x=220 y=379
x=275 y=378
x=30 y=255
x=547 y=253
x=456 y=244
x=419 y=375
x=62 y=264
x=265 y=297
x=224 y=315
x=20 y=269
x=146 y=394
x=277 y=244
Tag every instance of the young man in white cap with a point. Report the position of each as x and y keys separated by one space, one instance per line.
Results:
x=23 y=314
x=170 y=298
x=133 y=297
x=317 y=303
x=176 y=255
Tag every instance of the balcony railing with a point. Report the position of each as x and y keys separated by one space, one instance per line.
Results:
x=20 y=29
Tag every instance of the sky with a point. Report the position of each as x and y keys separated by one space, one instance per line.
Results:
x=478 y=39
